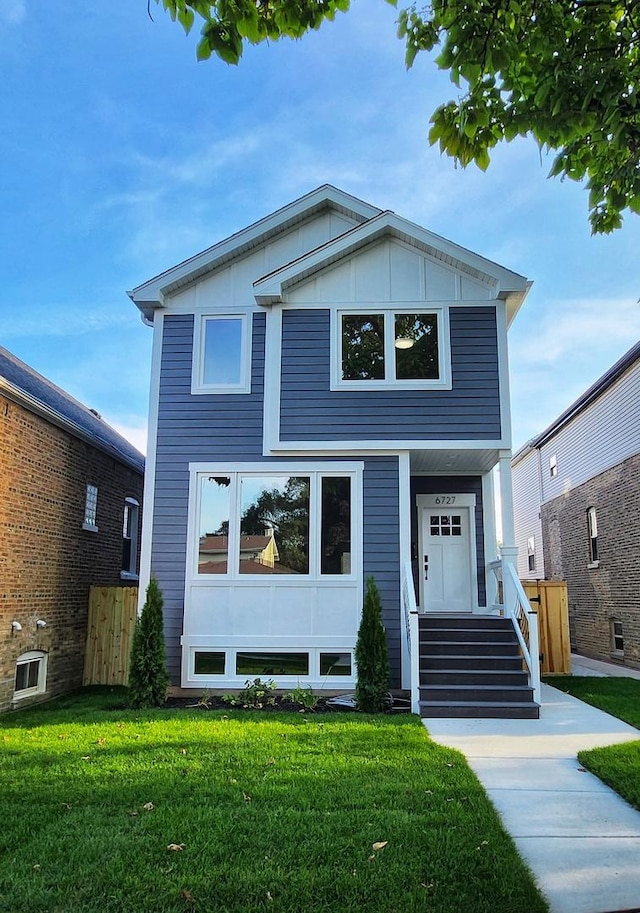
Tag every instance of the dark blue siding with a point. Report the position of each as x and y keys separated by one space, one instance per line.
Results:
x=190 y=429
x=434 y=485
x=381 y=547
x=310 y=411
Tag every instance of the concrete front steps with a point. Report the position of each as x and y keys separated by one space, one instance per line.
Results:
x=471 y=666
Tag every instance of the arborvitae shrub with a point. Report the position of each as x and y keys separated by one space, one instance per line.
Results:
x=148 y=679
x=372 y=658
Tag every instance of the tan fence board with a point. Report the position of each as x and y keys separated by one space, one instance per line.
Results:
x=553 y=624
x=112 y=618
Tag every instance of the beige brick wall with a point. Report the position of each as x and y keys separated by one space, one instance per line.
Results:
x=612 y=589
x=47 y=561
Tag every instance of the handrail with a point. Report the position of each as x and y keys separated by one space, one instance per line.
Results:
x=410 y=610
x=515 y=605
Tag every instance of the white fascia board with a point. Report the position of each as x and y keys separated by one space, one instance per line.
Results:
x=270 y=289
x=378 y=447
x=151 y=294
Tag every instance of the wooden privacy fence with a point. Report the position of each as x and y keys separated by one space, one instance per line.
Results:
x=549 y=599
x=112 y=618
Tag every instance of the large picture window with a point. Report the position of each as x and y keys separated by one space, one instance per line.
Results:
x=252 y=523
x=221 y=362
x=378 y=349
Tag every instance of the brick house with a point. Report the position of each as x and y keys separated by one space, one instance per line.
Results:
x=70 y=496
x=577 y=512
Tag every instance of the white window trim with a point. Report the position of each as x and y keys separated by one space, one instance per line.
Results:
x=231 y=678
x=316 y=472
x=443 y=382
x=198 y=385
x=41 y=687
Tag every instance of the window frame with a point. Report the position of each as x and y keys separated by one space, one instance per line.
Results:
x=592 y=530
x=25 y=659
x=615 y=651
x=133 y=507
x=198 y=385
x=316 y=474
x=442 y=382
x=531 y=554
x=553 y=466
x=90 y=522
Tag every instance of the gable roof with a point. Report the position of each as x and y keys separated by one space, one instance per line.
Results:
x=373 y=224
x=150 y=295
x=511 y=286
x=589 y=396
x=33 y=391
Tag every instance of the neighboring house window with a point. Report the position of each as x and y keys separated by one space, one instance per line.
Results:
x=130 y=522
x=91 y=509
x=274 y=524
x=31 y=674
x=531 y=553
x=221 y=359
x=592 y=522
x=617 y=638
x=553 y=466
x=375 y=349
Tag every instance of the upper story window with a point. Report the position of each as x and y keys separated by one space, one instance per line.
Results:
x=130 y=521
x=221 y=354
x=91 y=509
x=592 y=524
x=266 y=524
x=531 y=553
x=553 y=466
x=378 y=349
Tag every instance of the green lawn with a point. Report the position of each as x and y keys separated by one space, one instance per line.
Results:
x=229 y=812
x=617 y=765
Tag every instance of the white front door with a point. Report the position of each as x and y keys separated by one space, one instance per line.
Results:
x=447 y=553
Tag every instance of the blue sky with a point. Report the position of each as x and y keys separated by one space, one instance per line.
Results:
x=121 y=156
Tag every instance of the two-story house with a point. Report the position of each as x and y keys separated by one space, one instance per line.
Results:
x=329 y=399
x=70 y=502
x=577 y=512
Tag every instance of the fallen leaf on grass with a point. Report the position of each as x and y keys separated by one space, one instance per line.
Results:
x=133 y=814
x=176 y=847
x=183 y=751
x=86 y=757
x=37 y=867
x=246 y=797
x=380 y=846
x=484 y=843
x=269 y=897
x=187 y=896
x=148 y=806
x=100 y=741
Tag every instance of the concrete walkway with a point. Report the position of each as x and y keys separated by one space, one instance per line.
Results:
x=579 y=838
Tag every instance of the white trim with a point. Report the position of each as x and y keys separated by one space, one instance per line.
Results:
x=200 y=320
x=404 y=518
x=272 y=380
x=150 y=471
x=389 y=311
x=490 y=537
x=503 y=373
x=373 y=446
x=460 y=502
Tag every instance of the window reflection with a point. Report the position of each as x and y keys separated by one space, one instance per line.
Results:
x=274 y=525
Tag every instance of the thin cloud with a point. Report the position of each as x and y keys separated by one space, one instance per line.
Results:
x=68 y=321
x=13 y=12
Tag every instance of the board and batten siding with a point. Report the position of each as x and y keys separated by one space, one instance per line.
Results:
x=526 y=514
x=602 y=435
x=194 y=428
x=309 y=410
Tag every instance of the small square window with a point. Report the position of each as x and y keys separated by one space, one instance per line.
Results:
x=335 y=664
x=209 y=663
x=91 y=509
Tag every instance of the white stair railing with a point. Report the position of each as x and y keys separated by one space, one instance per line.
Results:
x=513 y=603
x=410 y=611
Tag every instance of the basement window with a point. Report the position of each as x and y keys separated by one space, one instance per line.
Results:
x=617 y=638
x=31 y=674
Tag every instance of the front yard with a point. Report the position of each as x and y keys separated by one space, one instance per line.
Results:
x=229 y=812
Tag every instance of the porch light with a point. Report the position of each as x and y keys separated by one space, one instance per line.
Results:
x=403 y=342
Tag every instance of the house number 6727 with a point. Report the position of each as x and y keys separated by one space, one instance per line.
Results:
x=446 y=499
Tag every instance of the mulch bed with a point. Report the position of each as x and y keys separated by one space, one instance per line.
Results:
x=280 y=705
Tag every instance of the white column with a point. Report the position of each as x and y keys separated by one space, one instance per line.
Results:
x=506 y=498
